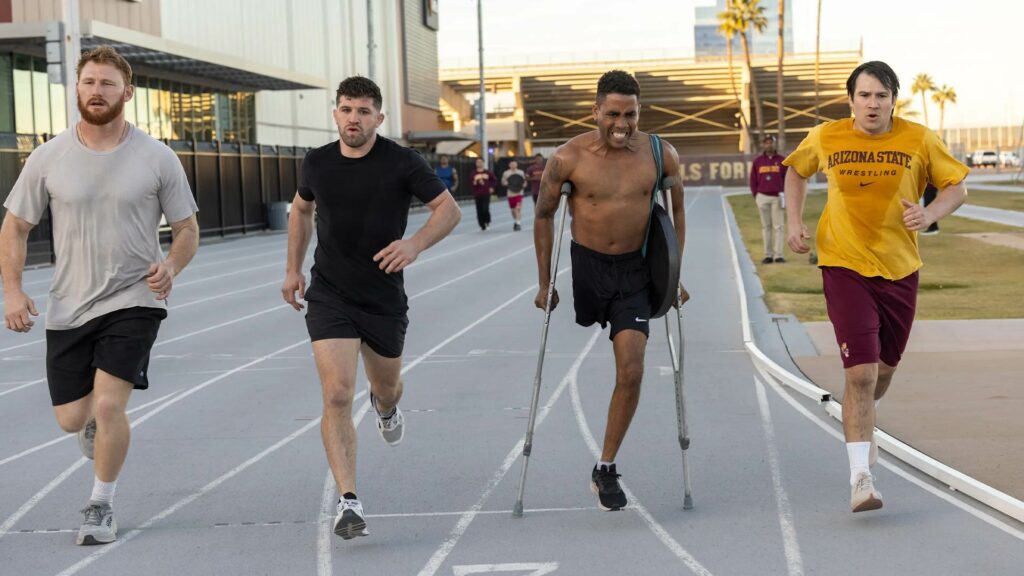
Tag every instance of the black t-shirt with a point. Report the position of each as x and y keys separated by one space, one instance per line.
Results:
x=362 y=205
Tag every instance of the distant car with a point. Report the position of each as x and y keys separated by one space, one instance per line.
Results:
x=986 y=158
x=1009 y=159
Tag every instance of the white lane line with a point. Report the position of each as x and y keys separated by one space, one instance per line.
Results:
x=6 y=526
x=108 y=548
x=824 y=425
x=794 y=561
x=66 y=436
x=439 y=556
x=658 y=530
x=330 y=507
x=25 y=385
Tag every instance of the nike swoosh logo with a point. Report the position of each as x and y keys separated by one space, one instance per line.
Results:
x=863 y=184
x=639 y=320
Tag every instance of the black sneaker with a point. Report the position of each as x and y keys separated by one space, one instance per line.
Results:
x=516 y=227
x=780 y=260
x=767 y=260
x=605 y=483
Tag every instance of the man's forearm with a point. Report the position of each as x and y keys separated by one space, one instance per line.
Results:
x=440 y=224
x=543 y=238
x=300 y=230
x=184 y=244
x=796 y=192
x=13 y=250
x=947 y=201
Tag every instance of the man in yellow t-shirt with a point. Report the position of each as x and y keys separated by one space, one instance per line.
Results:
x=877 y=167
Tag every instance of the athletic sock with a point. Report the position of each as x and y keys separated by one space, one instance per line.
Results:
x=858 y=453
x=877 y=402
x=349 y=496
x=605 y=464
x=103 y=492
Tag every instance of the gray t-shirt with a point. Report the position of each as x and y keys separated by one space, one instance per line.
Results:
x=106 y=209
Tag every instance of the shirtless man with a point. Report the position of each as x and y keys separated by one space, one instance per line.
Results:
x=612 y=170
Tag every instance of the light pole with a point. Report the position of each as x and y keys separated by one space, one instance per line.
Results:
x=481 y=107
x=370 y=46
x=71 y=42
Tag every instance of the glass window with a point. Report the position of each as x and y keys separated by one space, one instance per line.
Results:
x=142 y=108
x=6 y=93
x=23 y=121
x=58 y=108
x=41 y=99
x=155 y=127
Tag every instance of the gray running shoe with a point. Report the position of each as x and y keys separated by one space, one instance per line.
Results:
x=349 y=522
x=863 y=495
x=391 y=428
x=87 y=439
x=99 y=526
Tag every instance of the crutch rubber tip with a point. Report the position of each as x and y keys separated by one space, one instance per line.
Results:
x=517 y=510
x=687 y=502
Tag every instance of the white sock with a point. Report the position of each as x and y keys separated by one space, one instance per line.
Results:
x=858 y=453
x=103 y=491
x=877 y=402
x=603 y=463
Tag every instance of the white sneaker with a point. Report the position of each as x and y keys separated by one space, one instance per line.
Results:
x=349 y=522
x=87 y=439
x=392 y=428
x=99 y=526
x=863 y=495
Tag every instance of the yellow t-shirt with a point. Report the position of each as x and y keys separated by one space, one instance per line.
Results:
x=862 y=226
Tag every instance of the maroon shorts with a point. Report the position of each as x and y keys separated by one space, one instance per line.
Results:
x=871 y=316
x=515 y=201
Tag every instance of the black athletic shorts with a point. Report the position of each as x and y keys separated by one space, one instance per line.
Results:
x=117 y=343
x=610 y=289
x=330 y=317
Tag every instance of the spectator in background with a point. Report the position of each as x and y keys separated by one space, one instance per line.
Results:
x=514 y=180
x=767 y=177
x=533 y=175
x=483 y=186
x=447 y=174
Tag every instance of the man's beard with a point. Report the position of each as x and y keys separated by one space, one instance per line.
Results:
x=99 y=119
x=355 y=140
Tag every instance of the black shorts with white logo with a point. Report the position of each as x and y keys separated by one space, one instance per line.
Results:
x=117 y=343
x=610 y=289
x=328 y=316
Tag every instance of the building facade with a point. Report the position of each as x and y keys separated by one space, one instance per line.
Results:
x=249 y=71
x=708 y=41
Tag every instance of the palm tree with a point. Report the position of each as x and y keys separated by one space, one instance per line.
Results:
x=902 y=109
x=779 y=85
x=727 y=28
x=817 y=62
x=943 y=96
x=923 y=83
x=747 y=15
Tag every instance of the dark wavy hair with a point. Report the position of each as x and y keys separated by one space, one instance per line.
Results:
x=879 y=70
x=617 y=82
x=359 y=87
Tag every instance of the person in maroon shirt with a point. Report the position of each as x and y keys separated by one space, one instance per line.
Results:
x=767 y=177
x=484 y=182
x=533 y=175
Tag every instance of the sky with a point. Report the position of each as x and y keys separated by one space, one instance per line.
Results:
x=975 y=47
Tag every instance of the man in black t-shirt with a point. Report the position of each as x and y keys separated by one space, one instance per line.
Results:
x=360 y=187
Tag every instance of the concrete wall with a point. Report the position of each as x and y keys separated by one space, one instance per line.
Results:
x=142 y=16
x=322 y=38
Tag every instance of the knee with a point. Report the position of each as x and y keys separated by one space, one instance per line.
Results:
x=885 y=372
x=387 y=392
x=70 y=423
x=629 y=375
x=338 y=397
x=106 y=408
x=862 y=380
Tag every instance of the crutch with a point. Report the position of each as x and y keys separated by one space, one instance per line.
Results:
x=517 y=510
x=677 y=364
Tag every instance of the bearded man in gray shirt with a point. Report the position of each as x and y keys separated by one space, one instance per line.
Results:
x=107 y=184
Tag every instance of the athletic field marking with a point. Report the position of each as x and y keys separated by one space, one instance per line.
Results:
x=527 y=568
x=794 y=561
x=439 y=556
